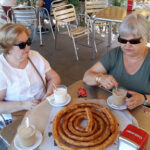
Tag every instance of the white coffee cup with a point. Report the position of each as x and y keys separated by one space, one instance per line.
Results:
x=27 y=135
x=60 y=94
x=119 y=95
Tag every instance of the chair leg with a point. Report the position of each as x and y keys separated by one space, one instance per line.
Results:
x=75 y=48
x=41 y=43
x=55 y=36
x=51 y=28
x=34 y=31
x=95 y=46
x=88 y=39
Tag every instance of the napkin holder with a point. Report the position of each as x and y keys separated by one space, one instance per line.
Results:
x=133 y=138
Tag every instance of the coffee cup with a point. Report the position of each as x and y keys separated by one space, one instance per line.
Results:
x=27 y=135
x=60 y=94
x=119 y=95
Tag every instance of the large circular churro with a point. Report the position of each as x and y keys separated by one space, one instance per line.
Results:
x=100 y=131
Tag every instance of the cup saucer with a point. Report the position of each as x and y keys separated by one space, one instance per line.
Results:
x=19 y=146
x=110 y=104
x=51 y=100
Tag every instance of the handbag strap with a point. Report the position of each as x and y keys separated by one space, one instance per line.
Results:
x=37 y=72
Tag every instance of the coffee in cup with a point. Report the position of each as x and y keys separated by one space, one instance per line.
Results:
x=60 y=94
x=27 y=135
x=119 y=95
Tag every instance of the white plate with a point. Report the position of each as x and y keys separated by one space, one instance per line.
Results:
x=19 y=145
x=110 y=103
x=52 y=101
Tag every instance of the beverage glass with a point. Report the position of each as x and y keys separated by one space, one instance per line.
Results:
x=60 y=94
x=27 y=135
x=119 y=95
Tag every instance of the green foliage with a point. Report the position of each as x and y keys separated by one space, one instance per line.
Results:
x=119 y=2
x=74 y=2
x=116 y=2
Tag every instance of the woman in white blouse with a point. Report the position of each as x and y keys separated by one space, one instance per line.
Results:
x=21 y=85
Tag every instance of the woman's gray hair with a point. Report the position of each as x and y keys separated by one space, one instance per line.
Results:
x=136 y=25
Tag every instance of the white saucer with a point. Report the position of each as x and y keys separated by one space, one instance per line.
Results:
x=110 y=103
x=52 y=101
x=19 y=145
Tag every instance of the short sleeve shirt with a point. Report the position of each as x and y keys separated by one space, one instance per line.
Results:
x=139 y=82
x=23 y=84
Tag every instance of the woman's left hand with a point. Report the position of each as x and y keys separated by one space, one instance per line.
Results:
x=135 y=100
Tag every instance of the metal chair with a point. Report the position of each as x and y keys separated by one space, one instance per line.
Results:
x=27 y=15
x=4 y=145
x=57 y=3
x=94 y=6
x=45 y=16
x=54 y=4
x=67 y=23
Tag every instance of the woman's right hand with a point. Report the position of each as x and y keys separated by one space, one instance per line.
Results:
x=29 y=104
x=108 y=81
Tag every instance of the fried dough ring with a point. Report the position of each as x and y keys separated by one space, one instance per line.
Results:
x=106 y=137
x=78 y=120
x=70 y=123
x=90 y=120
x=89 y=135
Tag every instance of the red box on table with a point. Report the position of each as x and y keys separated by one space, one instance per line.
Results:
x=134 y=138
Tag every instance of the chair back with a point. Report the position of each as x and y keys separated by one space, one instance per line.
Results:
x=93 y=6
x=25 y=15
x=57 y=3
x=65 y=14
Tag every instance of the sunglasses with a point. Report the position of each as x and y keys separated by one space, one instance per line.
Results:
x=132 y=41
x=23 y=44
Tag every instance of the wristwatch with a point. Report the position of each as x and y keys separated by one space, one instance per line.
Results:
x=145 y=100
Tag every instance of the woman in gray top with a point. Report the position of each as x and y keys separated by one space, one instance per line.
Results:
x=127 y=65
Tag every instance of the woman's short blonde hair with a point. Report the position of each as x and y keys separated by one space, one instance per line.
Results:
x=136 y=25
x=8 y=35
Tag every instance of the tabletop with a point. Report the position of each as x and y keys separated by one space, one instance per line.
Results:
x=116 y=13
x=141 y=113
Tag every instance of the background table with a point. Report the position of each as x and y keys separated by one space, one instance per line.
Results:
x=112 y=14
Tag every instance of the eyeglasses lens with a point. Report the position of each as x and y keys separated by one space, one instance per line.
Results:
x=132 y=41
x=23 y=44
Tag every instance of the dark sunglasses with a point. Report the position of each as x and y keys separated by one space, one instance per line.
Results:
x=132 y=41
x=23 y=44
